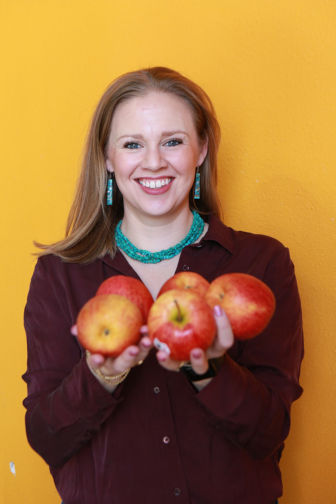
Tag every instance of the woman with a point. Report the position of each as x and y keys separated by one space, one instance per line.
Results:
x=116 y=431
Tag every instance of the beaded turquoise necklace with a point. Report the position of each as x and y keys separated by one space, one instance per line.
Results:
x=147 y=257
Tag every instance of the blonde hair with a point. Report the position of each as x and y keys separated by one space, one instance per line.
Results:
x=91 y=223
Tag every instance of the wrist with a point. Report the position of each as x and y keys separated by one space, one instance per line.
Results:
x=109 y=380
x=194 y=377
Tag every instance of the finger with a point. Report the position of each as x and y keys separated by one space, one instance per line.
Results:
x=74 y=330
x=145 y=342
x=224 y=331
x=144 y=329
x=128 y=358
x=166 y=362
x=110 y=366
x=145 y=345
x=95 y=361
x=199 y=361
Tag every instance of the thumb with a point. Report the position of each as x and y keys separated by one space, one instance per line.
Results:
x=224 y=330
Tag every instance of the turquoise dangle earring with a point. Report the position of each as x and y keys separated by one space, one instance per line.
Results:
x=197 y=190
x=110 y=190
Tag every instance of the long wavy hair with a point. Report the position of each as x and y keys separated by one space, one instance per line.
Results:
x=91 y=223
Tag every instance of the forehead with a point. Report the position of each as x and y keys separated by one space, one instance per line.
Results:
x=153 y=109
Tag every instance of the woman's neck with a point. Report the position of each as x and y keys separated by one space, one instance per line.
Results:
x=156 y=233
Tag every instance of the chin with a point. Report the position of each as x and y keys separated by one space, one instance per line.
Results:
x=159 y=209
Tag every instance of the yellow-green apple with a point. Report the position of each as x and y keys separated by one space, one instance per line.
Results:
x=108 y=324
x=247 y=301
x=179 y=321
x=186 y=280
x=131 y=288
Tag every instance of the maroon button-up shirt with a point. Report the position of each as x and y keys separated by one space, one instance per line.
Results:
x=155 y=439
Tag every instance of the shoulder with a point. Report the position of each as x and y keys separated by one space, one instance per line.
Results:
x=236 y=240
x=66 y=280
x=241 y=251
x=55 y=266
x=256 y=243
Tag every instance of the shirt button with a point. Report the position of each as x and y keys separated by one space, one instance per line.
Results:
x=156 y=390
x=185 y=267
x=177 y=491
x=166 y=440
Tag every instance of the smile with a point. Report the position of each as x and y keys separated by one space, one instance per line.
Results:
x=154 y=184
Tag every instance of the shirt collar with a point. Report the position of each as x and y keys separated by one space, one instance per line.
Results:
x=217 y=232
x=220 y=233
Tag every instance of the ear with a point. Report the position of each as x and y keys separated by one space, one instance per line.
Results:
x=109 y=166
x=203 y=153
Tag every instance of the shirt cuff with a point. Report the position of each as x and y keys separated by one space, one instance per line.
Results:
x=230 y=394
x=88 y=395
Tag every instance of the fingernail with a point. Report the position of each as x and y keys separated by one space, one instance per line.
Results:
x=98 y=359
x=73 y=330
x=218 y=311
x=161 y=357
x=134 y=352
x=196 y=354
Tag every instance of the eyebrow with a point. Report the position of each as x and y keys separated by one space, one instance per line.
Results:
x=163 y=134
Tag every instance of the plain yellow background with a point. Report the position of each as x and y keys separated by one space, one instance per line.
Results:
x=269 y=67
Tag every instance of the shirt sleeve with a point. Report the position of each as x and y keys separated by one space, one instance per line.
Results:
x=250 y=398
x=66 y=405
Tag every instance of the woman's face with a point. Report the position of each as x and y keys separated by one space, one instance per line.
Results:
x=153 y=150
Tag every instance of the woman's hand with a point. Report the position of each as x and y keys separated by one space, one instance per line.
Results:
x=198 y=358
x=108 y=366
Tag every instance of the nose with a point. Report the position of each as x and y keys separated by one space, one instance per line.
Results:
x=153 y=159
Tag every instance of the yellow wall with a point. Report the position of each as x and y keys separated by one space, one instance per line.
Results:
x=269 y=67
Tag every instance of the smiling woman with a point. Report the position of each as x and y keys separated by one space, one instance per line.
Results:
x=143 y=121
x=147 y=207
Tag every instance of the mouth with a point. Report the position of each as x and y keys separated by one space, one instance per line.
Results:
x=157 y=186
x=155 y=183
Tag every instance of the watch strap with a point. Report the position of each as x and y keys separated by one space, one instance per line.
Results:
x=194 y=377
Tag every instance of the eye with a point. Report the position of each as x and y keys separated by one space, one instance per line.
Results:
x=173 y=142
x=131 y=145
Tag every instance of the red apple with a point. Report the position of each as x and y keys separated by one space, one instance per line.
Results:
x=108 y=324
x=179 y=321
x=131 y=288
x=186 y=280
x=247 y=301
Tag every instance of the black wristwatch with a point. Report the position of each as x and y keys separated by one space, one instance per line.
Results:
x=214 y=365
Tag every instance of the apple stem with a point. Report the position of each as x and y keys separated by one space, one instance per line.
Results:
x=179 y=314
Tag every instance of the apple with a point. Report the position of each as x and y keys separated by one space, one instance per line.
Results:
x=179 y=321
x=131 y=288
x=247 y=301
x=109 y=323
x=186 y=280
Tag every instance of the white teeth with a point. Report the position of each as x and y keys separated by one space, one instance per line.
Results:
x=154 y=183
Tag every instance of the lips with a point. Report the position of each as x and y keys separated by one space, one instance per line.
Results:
x=156 y=186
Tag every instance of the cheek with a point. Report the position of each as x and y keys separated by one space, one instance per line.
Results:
x=123 y=164
x=189 y=167
x=185 y=161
